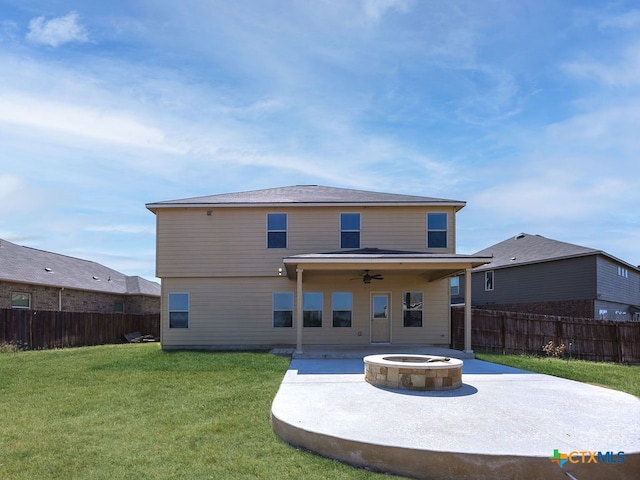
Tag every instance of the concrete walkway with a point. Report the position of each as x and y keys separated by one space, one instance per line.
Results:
x=503 y=423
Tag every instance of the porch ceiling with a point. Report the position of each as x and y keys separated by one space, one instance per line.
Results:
x=433 y=266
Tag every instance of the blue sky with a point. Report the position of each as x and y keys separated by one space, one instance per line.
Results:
x=527 y=110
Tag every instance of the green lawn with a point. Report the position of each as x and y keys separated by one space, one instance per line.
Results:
x=612 y=375
x=134 y=411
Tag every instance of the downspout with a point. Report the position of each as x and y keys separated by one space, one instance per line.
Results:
x=60 y=299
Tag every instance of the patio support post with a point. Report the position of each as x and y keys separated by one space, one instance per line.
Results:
x=299 y=310
x=467 y=310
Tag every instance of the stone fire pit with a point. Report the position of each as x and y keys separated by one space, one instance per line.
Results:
x=413 y=372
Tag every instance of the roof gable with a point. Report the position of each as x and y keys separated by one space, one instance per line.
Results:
x=32 y=266
x=307 y=195
x=525 y=248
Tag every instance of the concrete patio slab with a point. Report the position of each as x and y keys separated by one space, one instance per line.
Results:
x=502 y=423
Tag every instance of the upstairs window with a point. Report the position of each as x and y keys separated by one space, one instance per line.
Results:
x=342 y=308
x=276 y=230
x=312 y=309
x=178 y=310
x=436 y=230
x=412 y=306
x=21 y=300
x=349 y=230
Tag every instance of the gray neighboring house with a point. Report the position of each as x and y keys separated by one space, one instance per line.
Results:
x=531 y=273
x=39 y=280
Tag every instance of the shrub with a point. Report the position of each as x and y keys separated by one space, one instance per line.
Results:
x=553 y=350
x=10 y=347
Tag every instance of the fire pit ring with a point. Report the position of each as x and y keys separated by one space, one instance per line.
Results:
x=413 y=372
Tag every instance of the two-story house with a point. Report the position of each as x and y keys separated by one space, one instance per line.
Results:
x=307 y=265
x=531 y=273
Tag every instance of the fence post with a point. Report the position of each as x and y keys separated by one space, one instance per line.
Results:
x=31 y=329
x=618 y=342
x=503 y=333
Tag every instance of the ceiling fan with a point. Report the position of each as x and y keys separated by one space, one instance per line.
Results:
x=367 y=277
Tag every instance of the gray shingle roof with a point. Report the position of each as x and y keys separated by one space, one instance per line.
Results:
x=525 y=248
x=307 y=194
x=38 y=267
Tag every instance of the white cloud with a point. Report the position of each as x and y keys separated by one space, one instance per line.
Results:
x=552 y=195
x=623 y=71
x=10 y=185
x=122 y=229
x=57 y=31
x=375 y=9
x=113 y=127
x=624 y=21
x=606 y=135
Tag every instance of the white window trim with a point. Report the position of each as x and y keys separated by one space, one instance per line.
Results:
x=341 y=310
x=457 y=287
x=286 y=231
x=446 y=229
x=493 y=280
x=313 y=310
x=404 y=309
x=188 y=310
x=292 y=310
x=340 y=230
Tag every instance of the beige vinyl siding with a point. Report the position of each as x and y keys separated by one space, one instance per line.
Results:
x=402 y=228
x=232 y=241
x=226 y=312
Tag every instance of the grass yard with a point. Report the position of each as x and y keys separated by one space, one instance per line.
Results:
x=612 y=375
x=134 y=411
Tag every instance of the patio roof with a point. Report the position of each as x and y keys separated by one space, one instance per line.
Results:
x=434 y=266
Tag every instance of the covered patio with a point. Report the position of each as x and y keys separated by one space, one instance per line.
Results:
x=430 y=266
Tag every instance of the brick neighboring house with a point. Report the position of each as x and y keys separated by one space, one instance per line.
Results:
x=534 y=274
x=307 y=264
x=39 y=280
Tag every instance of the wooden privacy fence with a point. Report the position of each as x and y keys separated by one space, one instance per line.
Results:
x=511 y=332
x=35 y=329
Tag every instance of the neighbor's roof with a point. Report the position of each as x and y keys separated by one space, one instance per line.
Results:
x=525 y=249
x=300 y=195
x=37 y=267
